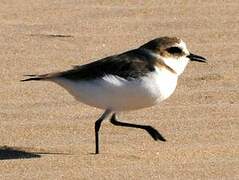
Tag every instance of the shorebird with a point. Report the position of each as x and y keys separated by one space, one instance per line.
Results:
x=131 y=80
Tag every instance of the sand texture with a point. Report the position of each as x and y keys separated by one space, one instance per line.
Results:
x=46 y=134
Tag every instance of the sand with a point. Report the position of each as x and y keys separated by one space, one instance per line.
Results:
x=46 y=134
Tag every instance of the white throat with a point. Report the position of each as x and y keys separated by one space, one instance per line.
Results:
x=178 y=65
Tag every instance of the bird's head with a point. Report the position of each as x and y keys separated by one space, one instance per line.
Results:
x=173 y=52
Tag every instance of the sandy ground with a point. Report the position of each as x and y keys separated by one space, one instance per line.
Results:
x=46 y=134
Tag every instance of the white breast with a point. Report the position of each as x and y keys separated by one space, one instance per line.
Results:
x=118 y=94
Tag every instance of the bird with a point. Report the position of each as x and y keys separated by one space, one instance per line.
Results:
x=138 y=78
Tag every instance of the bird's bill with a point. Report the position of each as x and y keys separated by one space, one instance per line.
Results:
x=194 y=57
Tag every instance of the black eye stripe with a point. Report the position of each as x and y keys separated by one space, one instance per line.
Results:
x=174 y=50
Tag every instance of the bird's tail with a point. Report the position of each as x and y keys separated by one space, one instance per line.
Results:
x=36 y=77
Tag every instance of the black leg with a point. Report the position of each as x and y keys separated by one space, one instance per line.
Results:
x=97 y=128
x=152 y=131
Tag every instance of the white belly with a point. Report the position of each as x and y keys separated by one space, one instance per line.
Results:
x=118 y=94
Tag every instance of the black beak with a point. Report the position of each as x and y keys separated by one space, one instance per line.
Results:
x=194 y=57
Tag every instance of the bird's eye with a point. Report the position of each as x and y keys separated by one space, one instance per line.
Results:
x=174 y=50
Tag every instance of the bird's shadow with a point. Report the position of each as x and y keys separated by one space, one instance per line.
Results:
x=8 y=153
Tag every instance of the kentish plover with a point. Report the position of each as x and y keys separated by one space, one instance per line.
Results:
x=135 y=79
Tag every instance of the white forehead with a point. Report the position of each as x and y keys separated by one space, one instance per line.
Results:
x=182 y=45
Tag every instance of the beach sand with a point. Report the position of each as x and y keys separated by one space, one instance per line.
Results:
x=46 y=134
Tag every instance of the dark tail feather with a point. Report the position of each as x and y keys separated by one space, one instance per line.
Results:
x=33 y=78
